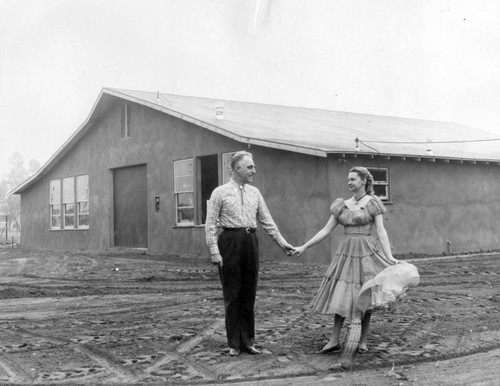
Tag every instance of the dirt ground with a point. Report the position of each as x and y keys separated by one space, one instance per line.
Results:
x=122 y=317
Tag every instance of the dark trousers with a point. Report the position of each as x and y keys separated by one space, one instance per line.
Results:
x=239 y=275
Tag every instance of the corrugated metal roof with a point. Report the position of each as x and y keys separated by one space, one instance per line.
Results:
x=304 y=130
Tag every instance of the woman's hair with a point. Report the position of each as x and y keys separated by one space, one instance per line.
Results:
x=364 y=174
x=238 y=156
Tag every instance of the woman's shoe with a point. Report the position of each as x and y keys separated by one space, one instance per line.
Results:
x=329 y=350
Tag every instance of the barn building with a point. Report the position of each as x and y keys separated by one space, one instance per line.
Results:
x=137 y=174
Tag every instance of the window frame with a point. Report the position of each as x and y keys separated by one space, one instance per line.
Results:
x=78 y=201
x=68 y=199
x=61 y=200
x=385 y=184
x=52 y=204
x=224 y=173
x=178 y=192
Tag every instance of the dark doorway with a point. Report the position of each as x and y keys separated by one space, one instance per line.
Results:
x=208 y=180
x=130 y=206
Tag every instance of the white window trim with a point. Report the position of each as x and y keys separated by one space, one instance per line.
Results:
x=52 y=216
x=383 y=183
x=51 y=205
x=223 y=167
x=177 y=192
x=77 y=202
x=62 y=203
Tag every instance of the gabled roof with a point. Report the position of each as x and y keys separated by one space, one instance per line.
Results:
x=304 y=130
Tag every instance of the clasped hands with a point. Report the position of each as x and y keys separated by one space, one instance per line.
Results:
x=288 y=249
x=292 y=251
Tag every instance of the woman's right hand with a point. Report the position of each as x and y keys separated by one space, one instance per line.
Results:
x=298 y=251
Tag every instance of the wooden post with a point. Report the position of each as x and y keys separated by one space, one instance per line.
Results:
x=7 y=228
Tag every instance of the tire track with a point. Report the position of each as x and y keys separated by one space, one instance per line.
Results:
x=15 y=372
x=109 y=362
x=117 y=373
x=184 y=348
x=189 y=364
x=102 y=357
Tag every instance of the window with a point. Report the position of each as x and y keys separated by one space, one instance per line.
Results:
x=69 y=202
x=125 y=121
x=184 y=192
x=380 y=182
x=69 y=208
x=195 y=180
x=226 y=167
x=82 y=201
x=55 y=204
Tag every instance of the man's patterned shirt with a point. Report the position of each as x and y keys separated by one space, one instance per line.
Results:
x=238 y=206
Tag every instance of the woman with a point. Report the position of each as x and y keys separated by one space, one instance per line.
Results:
x=358 y=257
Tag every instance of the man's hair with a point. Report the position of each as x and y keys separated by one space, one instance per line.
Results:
x=237 y=157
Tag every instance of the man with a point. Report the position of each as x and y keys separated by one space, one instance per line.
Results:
x=238 y=206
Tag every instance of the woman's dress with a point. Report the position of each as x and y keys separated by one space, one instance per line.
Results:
x=358 y=259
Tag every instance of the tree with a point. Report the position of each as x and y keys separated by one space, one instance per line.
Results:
x=11 y=205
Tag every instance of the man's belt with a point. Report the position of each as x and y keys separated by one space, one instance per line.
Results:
x=246 y=230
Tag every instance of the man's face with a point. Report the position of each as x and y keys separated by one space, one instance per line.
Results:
x=245 y=170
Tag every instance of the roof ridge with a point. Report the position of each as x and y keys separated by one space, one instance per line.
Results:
x=318 y=133
x=292 y=107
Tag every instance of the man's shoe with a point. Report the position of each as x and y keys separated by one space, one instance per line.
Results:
x=233 y=352
x=252 y=350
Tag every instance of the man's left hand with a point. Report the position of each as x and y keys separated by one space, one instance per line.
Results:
x=288 y=249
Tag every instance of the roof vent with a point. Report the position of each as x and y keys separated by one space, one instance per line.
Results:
x=219 y=110
x=429 y=149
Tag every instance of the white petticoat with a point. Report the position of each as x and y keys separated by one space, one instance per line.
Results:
x=388 y=288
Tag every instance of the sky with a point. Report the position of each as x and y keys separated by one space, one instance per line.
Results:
x=424 y=59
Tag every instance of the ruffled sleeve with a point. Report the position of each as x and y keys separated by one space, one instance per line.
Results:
x=337 y=207
x=375 y=206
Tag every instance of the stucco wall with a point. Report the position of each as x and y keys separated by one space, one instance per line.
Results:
x=295 y=188
x=430 y=202
x=35 y=217
x=294 y=185
x=433 y=202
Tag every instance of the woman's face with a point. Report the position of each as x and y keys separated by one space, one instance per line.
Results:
x=355 y=182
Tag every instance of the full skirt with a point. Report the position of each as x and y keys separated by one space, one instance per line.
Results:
x=358 y=259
